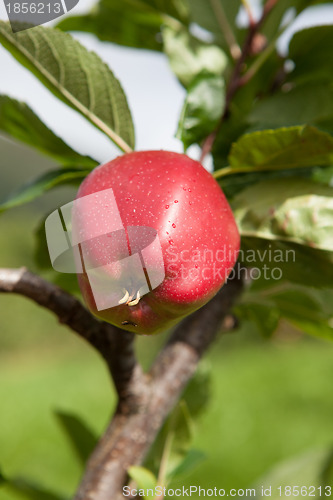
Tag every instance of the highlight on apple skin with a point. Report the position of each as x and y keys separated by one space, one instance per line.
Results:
x=159 y=239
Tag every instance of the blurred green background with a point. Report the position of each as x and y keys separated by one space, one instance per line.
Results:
x=270 y=400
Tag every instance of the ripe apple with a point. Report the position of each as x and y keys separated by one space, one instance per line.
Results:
x=158 y=239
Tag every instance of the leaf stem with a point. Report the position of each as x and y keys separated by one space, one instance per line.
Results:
x=172 y=22
x=161 y=480
x=224 y=171
x=261 y=59
x=226 y=29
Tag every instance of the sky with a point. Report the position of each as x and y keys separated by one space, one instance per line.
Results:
x=154 y=95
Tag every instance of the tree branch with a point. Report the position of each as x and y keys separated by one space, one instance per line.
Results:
x=115 y=345
x=144 y=400
x=129 y=436
x=236 y=81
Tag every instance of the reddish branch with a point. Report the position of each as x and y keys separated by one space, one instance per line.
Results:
x=144 y=399
x=236 y=80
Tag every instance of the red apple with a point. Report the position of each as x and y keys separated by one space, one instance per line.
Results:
x=158 y=239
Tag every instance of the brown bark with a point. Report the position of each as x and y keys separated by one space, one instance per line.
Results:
x=145 y=400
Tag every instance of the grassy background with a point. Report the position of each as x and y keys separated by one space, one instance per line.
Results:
x=270 y=400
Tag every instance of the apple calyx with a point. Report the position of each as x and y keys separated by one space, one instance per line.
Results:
x=129 y=299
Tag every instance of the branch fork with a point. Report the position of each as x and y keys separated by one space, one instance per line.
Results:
x=144 y=400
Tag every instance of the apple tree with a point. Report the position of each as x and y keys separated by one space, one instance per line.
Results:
x=265 y=120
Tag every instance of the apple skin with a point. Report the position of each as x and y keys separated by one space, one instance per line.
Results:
x=178 y=198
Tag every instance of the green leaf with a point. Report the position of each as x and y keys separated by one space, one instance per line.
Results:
x=327 y=474
x=301 y=307
x=323 y=175
x=282 y=149
x=305 y=312
x=303 y=470
x=236 y=122
x=273 y=21
x=41 y=254
x=322 y=329
x=192 y=460
x=178 y=429
x=278 y=261
x=176 y=435
x=129 y=23
x=2 y=478
x=21 y=123
x=210 y=15
x=265 y=316
x=111 y=23
x=229 y=131
x=311 y=50
x=297 y=304
x=288 y=109
x=27 y=489
x=309 y=82
x=234 y=183
x=74 y=75
x=43 y=183
x=202 y=109
x=294 y=210
x=189 y=57
x=80 y=436
x=198 y=391
x=181 y=424
x=42 y=261
x=143 y=477
x=177 y=9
